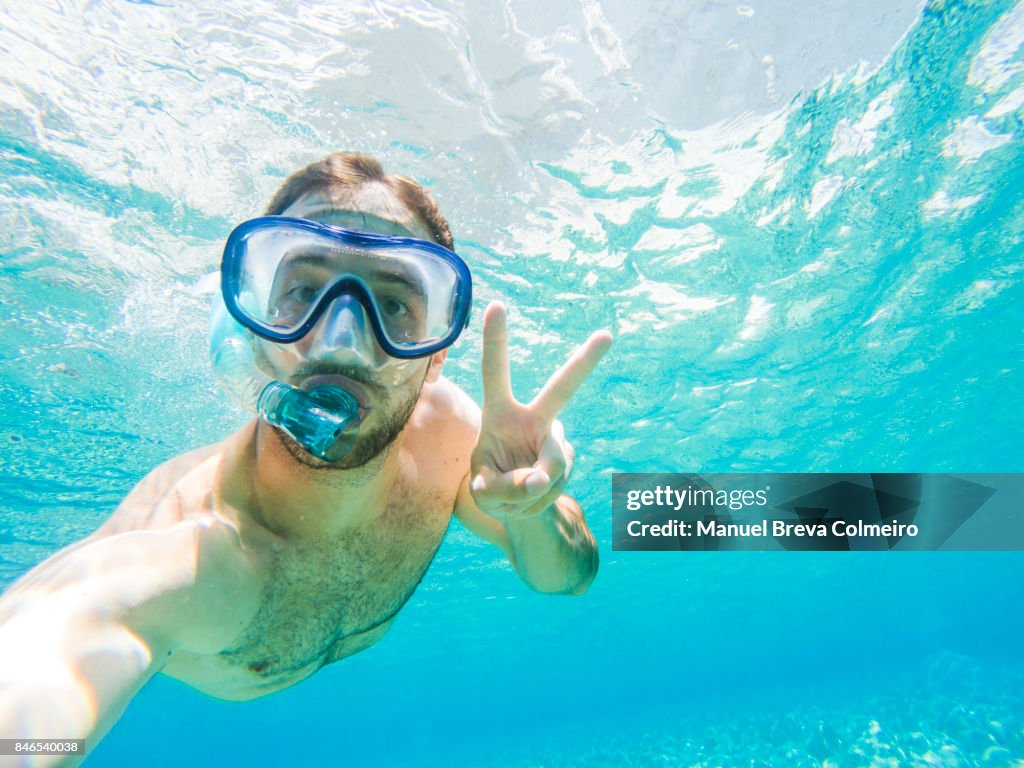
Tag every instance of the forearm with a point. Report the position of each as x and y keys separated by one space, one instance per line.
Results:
x=49 y=711
x=554 y=551
x=85 y=630
x=59 y=683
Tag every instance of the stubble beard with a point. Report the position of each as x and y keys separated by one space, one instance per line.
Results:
x=369 y=444
x=394 y=407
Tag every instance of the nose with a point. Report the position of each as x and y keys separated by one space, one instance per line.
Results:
x=344 y=322
x=343 y=331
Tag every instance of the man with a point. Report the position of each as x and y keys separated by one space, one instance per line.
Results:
x=243 y=567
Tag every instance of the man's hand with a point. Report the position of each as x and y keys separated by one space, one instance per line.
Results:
x=522 y=460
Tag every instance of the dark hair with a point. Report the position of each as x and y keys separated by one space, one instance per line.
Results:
x=350 y=169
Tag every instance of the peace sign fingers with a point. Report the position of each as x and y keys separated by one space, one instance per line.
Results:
x=560 y=388
x=521 y=450
x=497 y=383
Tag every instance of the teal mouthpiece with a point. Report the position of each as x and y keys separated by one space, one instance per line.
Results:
x=324 y=421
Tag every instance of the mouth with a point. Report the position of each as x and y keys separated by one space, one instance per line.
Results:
x=360 y=391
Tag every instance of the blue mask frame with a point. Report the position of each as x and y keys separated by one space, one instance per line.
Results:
x=231 y=268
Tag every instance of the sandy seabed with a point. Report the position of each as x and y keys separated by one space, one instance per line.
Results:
x=952 y=714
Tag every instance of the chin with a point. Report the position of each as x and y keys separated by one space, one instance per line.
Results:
x=362 y=453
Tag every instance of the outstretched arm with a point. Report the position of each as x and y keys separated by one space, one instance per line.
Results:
x=520 y=465
x=83 y=632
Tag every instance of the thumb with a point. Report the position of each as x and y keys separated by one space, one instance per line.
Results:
x=515 y=486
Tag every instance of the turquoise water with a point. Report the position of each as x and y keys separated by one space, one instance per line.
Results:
x=803 y=230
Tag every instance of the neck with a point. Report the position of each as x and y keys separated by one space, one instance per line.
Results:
x=316 y=500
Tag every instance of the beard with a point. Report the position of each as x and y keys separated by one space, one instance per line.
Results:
x=392 y=407
x=393 y=411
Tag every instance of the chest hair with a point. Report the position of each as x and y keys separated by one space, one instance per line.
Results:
x=317 y=594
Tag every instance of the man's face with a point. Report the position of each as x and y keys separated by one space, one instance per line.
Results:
x=341 y=348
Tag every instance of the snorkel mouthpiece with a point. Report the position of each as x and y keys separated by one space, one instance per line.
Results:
x=324 y=421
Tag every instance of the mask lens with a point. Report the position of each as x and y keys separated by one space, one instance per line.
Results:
x=281 y=275
x=413 y=295
x=285 y=269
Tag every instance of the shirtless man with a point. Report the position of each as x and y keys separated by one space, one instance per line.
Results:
x=243 y=567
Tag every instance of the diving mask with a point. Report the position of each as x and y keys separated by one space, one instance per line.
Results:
x=280 y=274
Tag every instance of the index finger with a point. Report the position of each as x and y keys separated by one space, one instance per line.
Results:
x=497 y=383
x=560 y=388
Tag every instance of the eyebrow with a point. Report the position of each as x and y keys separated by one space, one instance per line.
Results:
x=414 y=286
x=304 y=258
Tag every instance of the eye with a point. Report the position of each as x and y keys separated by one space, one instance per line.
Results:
x=393 y=307
x=300 y=293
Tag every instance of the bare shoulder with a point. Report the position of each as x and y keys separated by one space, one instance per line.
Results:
x=442 y=432
x=168 y=494
x=184 y=586
x=446 y=415
x=446 y=400
x=170 y=549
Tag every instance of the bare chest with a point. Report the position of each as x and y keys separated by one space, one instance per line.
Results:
x=322 y=601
